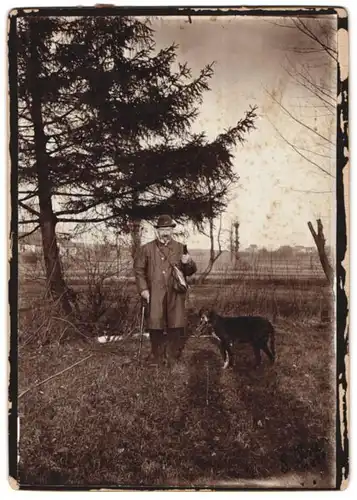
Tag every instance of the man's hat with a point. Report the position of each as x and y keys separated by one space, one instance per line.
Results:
x=165 y=221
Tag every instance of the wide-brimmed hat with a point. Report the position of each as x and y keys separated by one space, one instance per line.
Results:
x=165 y=221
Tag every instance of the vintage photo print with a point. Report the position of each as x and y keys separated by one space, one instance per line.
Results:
x=179 y=262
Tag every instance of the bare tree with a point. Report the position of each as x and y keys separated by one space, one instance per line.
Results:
x=236 y=241
x=312 y=61
x=320 y=241
x=214 y=254
x=313 y=64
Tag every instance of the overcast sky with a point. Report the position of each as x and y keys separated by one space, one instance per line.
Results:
x=278 y=191
x=250 y=55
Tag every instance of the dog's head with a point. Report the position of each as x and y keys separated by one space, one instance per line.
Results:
x=203 y=320
x=206 y=316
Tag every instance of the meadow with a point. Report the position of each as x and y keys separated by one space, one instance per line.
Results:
x=114 y=419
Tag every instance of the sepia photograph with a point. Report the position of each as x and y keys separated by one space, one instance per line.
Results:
x=178 y=261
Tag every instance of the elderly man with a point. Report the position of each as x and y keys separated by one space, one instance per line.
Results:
x=153 y=268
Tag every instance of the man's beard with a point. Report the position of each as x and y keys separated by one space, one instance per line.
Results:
x=165 y=239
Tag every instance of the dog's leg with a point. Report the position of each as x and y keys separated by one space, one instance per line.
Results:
x=222 y=349
x=227 y=361
x=268 y=352
x=227 y=355
x=258 y=358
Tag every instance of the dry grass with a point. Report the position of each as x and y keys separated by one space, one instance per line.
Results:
x=112 y=421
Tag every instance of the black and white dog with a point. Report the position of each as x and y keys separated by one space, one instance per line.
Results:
x=256 y=330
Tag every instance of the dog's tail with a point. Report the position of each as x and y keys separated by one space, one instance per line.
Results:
x=272 y=341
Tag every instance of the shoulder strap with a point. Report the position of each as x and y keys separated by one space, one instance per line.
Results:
x=175 y=269
x=163 y=255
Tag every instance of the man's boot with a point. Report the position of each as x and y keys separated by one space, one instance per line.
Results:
x=158 y=347
x=176 y=340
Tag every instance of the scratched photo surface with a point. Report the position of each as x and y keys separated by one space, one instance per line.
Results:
x=227 y=125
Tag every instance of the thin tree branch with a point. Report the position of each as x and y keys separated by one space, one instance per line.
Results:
x=29 y=221
x=75 y=195
x=329 y=50
x=88 y=220
x=29 y=209
x=53 y=376
x=314 y=90
x=329 y=157
x=299 y=152
x=309 y=191
x=297 y=120
x=28 y=234
x=319 y=88
x=280 y=25
x=29 y=196
x=219 y=235
x=80 y=210
x=306 y=51
x=59 y=118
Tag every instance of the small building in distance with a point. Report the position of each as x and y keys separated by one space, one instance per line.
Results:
x=32 y=243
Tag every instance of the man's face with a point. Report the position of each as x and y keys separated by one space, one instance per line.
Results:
x=164 y=233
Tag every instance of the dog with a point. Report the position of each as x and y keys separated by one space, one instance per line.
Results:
x=256 y=330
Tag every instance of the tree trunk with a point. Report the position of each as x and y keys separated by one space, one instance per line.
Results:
x=135 y=237
x=47 y=219
x=135 y=228
x=236 y=242
x=319 y=239
x=213 y=255
x=231 y=244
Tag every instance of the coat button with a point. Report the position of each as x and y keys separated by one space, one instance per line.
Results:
x=163 y=272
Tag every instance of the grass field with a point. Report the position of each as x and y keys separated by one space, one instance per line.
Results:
x=114 y=421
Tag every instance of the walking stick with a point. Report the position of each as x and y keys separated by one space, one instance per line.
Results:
x=143 y=305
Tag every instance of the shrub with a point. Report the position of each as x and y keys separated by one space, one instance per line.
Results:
x=30 y=258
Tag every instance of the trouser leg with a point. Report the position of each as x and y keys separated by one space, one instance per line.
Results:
x=176 y=340
x=158 y=346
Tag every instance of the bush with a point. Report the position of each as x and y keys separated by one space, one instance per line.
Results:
x=30 y=258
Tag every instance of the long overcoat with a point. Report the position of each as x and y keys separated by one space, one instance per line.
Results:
x=153 y=272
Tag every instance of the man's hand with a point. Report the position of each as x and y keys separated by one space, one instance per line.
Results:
x=145 y=294
x=186 y=258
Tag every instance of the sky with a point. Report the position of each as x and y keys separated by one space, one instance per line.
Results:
x=278 y=191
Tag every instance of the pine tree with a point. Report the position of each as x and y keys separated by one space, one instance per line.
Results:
x=105 y=130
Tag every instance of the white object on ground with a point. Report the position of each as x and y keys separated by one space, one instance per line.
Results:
x=146 y=335
x=104 y=339
x=112 y=338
